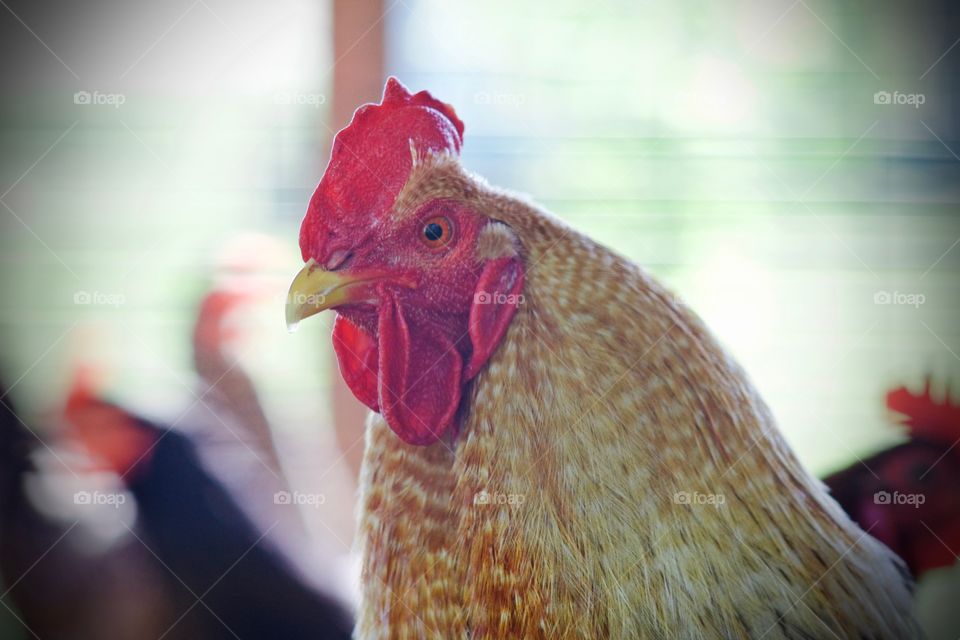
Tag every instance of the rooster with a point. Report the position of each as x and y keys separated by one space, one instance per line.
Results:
x=558 y=448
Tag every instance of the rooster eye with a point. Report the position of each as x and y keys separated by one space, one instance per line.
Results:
x=436 y=232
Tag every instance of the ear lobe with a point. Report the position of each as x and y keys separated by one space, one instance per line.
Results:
x=495 y=300
x=357 y=356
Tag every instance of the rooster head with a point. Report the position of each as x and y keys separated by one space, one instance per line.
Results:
x=424 y=280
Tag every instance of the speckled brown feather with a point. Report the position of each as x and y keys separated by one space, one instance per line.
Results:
x=553 y=513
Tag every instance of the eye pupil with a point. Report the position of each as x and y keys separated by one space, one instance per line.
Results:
x=437 y=232
x=433 y=232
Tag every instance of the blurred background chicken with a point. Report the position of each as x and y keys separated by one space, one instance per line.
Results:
x=57 y=582
x=228 y=577
x=909 y=495
x=207 y=539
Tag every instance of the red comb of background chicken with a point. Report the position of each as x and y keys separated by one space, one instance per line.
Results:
x=924 y=416
x=371 y=159
x=110 y=434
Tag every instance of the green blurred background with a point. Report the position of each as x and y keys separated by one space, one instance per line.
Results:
x=738 y=150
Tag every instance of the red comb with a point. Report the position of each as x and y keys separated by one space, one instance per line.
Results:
x=371 y=160
x=83 y=391
x=105 y=430
x=924 y=416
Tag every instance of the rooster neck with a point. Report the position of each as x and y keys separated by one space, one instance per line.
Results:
x=555 y=511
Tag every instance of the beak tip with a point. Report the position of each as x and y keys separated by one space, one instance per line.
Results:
x=292 y=317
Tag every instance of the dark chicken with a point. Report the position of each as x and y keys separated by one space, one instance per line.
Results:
x=230 y=579
x=48 y=572
x=909 y=495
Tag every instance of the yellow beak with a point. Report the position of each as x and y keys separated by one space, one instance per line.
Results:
x=315 y=289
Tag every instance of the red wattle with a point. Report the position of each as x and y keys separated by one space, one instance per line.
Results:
x=358 y=359
x=420 y=377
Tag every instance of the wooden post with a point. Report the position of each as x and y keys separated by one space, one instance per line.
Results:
x=358 y=77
